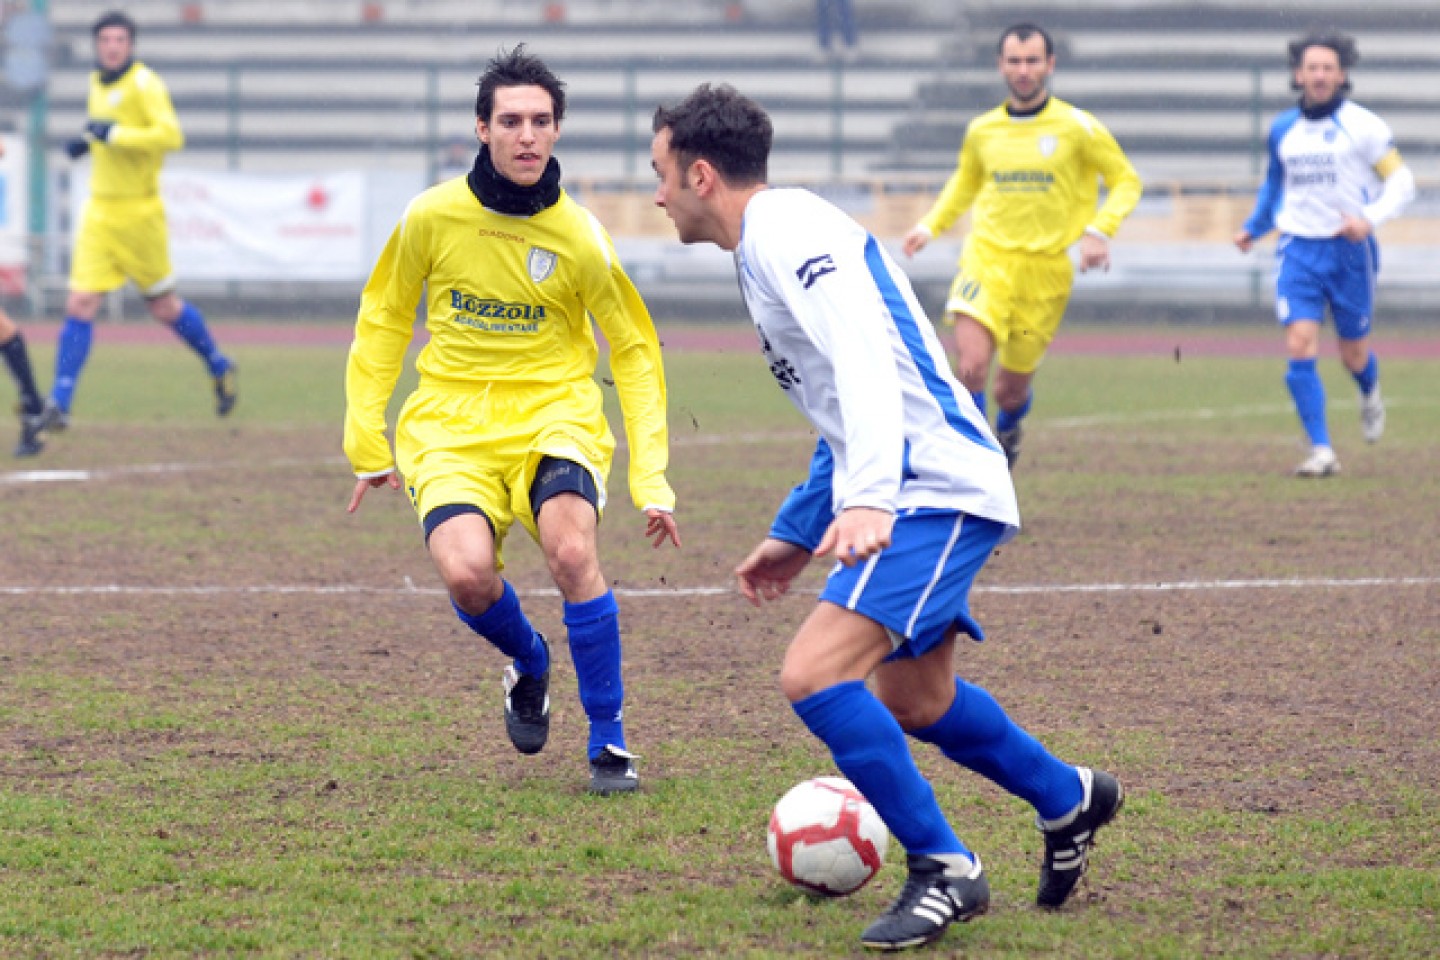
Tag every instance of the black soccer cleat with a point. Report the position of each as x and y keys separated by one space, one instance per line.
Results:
x=937 y=893
x=1067 y=848
x=52 y=419
x=30 y=443
x=227 y=391
x=527 y=707
x=613 y=771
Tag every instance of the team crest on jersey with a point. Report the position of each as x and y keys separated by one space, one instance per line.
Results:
x=541 y=263
x=1047 y=145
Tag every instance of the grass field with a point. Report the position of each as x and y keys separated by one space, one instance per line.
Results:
x=236 y=721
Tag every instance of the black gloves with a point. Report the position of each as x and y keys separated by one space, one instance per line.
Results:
x=94 y=130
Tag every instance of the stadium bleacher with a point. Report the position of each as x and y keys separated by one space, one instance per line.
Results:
x=293 y=85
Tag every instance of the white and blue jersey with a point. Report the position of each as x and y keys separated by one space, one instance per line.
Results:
x=849 y=343
x=1327 y=163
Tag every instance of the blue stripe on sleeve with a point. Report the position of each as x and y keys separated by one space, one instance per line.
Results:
x=915 y=344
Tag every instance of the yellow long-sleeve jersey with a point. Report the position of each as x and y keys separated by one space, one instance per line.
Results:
x=510 y=300
x=127 y=164
x=1034 y=180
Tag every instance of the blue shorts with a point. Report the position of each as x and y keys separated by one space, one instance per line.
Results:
x=918 y=588
x=1330 y=270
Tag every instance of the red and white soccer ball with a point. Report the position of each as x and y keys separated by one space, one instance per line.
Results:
x=826 y=838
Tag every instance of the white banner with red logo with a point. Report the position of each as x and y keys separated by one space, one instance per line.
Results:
x=252 y=226
x=244 y=226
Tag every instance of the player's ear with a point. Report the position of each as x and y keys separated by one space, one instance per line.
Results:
x=482 y=130
x=702 y=176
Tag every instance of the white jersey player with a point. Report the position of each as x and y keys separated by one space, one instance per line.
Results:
x=908 y=489
x=849 y=343
x=1334 y=176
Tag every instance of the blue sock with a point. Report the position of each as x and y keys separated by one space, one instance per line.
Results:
x=977 y=734
x=71 y=352
x=1010 y=419
x=870 y=749
x=1309 y=393
x=594 y=628
x=190 y=327
x=504 y=625
x=1367 y=378
x=979 y=398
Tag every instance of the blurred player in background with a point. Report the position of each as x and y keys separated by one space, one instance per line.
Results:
x=122 y=233
x=1031 y=169
x=507 y=423
x=908 y=490
x=17 y=361
x=1334 y=176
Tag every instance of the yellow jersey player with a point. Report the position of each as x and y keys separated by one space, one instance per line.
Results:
x=122 y=234
x=507 y=421
x=1031 y=169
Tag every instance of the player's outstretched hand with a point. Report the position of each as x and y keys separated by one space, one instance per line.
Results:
x=767 y=572
x=660 y=526
x=915 y=241
x=1243 y=241
x=391 y=479
x=857 y=534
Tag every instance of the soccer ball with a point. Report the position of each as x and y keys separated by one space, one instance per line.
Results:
x=826 y=838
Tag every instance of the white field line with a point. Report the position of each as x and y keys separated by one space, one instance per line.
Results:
x=678 y=439
x=1177 y=586
x=288 y=463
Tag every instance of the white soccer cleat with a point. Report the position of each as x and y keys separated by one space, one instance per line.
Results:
x=1322 y=462
x=1372 y=415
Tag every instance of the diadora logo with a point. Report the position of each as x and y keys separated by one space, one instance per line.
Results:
x=1047 y=145
x=815 y=268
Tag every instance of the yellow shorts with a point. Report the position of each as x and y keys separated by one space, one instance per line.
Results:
x=1020 y=300
x=481 y=445
x=121 y=240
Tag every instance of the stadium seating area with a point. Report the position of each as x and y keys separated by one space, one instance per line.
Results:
x=271 y=84
x=1188 y=89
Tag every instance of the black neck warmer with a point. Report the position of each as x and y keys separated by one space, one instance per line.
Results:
x=1028 y=113
x=1320 y=111
x=108 y=77
x=501 y=194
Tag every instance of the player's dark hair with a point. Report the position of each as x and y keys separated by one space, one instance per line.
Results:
x=723 y=127
x=1343 y=45
x=113 y=18
x=1023 y=32
x=516 y=68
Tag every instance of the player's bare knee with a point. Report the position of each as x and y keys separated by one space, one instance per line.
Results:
x=572 y=562
x=913 y=713
x=1011 y=396
x=798 y=682
x=972 y=374
x=83 y=306
x=474 y=590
